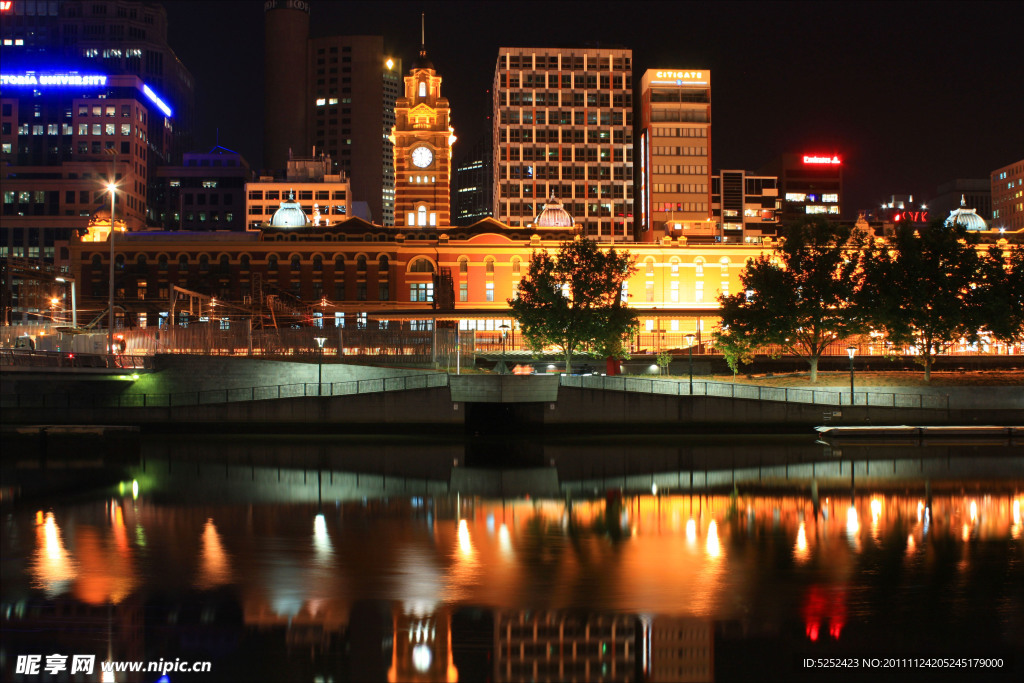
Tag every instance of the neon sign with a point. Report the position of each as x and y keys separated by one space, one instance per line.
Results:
x=156 y=100
x=5 y=5
x=685 y=75
x=833 y=160
x=911 y=216
x=73 y=78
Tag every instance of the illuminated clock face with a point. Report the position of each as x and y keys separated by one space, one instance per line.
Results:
x=422 y=157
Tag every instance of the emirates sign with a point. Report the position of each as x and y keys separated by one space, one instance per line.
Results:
x=833 y=160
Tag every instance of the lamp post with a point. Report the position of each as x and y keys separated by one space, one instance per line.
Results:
x=689 y=345
x=851 y=351
x=112 y=188
x=504 y=337
x=320 y=365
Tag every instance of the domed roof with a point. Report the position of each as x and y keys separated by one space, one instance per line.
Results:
x=422 y=62
x=289 y=215
x=554 y=215
x=968 y=218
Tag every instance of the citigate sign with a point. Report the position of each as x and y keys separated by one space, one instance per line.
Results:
x=832 y=160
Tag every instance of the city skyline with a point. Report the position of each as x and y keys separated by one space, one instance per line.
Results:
x=892 y=100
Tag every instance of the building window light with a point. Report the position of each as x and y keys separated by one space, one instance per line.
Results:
x=333 y=100
x=320 y=101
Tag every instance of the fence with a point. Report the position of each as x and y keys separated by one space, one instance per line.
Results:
x=22 y=358
x=831 y=397
x=213 y=396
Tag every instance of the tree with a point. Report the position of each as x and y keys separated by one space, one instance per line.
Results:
x=801 y=297
x=1000 y=293
x=574 y=300
x=735 y=348
x=921 y=288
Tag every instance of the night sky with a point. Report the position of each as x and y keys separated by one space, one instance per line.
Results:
x=910 y=95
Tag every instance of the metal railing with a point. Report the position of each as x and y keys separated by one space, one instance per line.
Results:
x=24 y=358
x=70 y=400
x=830 y=397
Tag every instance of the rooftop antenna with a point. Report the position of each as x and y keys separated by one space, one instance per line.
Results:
x=423 y=32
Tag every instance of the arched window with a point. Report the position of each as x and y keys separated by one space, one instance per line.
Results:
x=295 y=263
x=162 y=263
x=97 y=262
x=674 y=265
x=204 y=264
x=423 y=88
x=463 y=264
x=318 y=263
x=421 y=216
x=244 y=263
x=421 y=265
x=339 y=264
x=489 y=265
x=649 y=265
x=140 y=260
x=225 y=263
x=272 y=263
x=183 y=262
x=698 y=263
x=361 y=263
x=119 y=262
x=382 y=264
x=516 y=265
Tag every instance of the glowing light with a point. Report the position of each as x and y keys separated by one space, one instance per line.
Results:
x=504 y=541
x=422 y=657
x=920 y=510
x=801 y=544
x=852 y=522
x=135 y=482
x=691 y=531
x=1016 y=512
x=156 y=100
x=390 y=64
x=713 y=546
x=965 y=533
x=974 y=511
x=911 y=545
x=214 y=569
x=52 y=566
x=812 y=631
x=876 y=510
x=465 y=545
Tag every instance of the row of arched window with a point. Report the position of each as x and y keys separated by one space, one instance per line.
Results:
x=419 y=264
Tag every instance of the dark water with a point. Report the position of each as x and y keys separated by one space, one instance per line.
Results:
x=278 y=558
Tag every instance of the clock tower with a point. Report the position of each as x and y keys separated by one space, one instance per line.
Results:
x=422 y=139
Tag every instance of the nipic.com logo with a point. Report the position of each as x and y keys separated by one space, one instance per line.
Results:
x=56 y=663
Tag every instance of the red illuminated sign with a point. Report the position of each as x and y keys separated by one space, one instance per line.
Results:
x=5 y=5
x=833 y=160
x=911 y=216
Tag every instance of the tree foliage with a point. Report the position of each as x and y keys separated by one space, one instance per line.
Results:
x=1000 y=293
x=800 y=298
x=922 y=288
x=574 y=300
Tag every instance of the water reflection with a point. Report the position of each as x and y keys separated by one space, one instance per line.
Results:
x=667 y=584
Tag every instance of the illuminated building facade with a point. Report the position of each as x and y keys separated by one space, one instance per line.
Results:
x=675 y=155
x=205 y=192
x=1008 y=197
x=422 y=139
x=323 y=196
x=563 y=127
x=810 y=184
x=560 y=646
x=746 y=206
x=130 y=37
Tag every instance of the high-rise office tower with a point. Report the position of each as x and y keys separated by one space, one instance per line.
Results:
x=1008 y=197
x=352 y=88
x=474 y=183
x=563 y=127
x=810 y=184
x=745 y=205
x=285 y=102
x=675 y=155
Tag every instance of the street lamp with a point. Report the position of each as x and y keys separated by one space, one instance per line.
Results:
x=54 y=305
x=112 y=188
x=504 y=336
x=851 y=351
x=689 y=344
x=320 y=365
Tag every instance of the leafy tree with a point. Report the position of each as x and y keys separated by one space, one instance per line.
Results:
x=664 y=358
x=800 y=298
x=735 y=348
x=574 y=300
x=1000 y=292
x=920 y=288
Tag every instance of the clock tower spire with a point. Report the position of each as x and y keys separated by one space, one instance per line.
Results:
x=422 y=139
